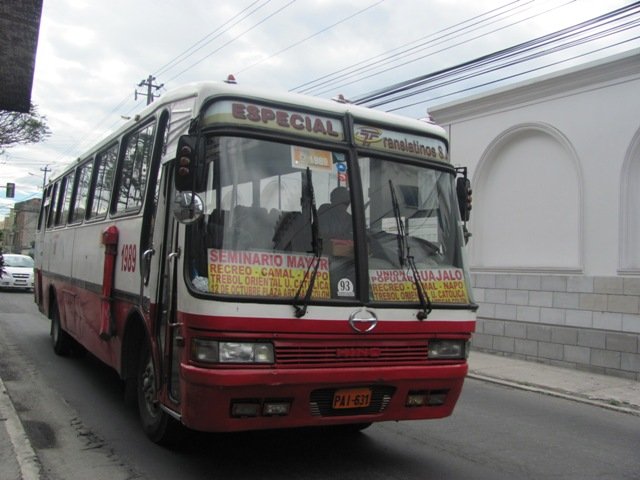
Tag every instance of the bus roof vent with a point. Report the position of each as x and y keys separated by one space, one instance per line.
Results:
x=428 y=119
x=340 y=99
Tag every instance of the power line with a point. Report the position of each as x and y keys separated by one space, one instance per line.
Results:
x=251 y=9
x=400 y=90
x=233 y=40
x=356 y=72
x=340 y=74
x=319 y=32
x=442 y=39
x=78 y=145
x=211 y=36
x=510 y=77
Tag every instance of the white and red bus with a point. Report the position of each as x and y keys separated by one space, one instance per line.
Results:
x=250 y=260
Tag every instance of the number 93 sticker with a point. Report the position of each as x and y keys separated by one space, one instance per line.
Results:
x=345 y=288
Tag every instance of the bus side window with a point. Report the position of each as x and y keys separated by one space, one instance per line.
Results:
x=63 y=214
x=102 y=182
x=78 y=210
x=44 y=209
x=52 y=205
x=135 y=169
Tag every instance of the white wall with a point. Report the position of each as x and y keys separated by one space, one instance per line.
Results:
x=555 y=251
x=629 y=209
x=554 y=165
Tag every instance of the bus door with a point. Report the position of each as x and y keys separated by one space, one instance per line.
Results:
x=158 y=285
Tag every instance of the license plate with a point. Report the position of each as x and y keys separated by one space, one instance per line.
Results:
x=352 y=398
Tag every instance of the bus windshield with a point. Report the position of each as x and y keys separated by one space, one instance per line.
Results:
x=278 y=215
x=413 y=233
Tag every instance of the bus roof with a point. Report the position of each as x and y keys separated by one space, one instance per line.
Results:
x=200 y=92
x=205 y=90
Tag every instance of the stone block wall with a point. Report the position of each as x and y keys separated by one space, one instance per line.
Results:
x=590 y=323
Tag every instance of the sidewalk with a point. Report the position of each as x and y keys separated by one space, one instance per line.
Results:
x=604 y=391
x=18 y=460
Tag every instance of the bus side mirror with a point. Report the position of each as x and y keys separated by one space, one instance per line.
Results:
x=186 y=163
x=463 y=191
x=188 y=207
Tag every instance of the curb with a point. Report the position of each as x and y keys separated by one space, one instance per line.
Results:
x=26 y=457
x=556 y=393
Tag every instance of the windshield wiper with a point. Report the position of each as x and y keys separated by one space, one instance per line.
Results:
x=405 y=257
x=309 y=204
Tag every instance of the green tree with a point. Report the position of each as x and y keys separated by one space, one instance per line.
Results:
x=22 y=128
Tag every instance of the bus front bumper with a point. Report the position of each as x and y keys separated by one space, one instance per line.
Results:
x=219 y=400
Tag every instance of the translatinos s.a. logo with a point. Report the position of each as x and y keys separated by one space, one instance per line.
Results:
x=367 y=136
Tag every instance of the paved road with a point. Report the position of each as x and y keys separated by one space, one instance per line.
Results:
x=73 y=413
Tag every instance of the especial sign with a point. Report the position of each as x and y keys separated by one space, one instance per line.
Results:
x=244 y=113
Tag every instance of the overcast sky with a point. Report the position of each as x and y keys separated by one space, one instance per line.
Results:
x=91 y=55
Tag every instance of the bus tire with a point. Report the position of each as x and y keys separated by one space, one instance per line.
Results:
x=156 y=423
x=61 y=341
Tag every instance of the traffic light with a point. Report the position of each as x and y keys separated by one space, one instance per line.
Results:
x=11 y=190
x=463 y=191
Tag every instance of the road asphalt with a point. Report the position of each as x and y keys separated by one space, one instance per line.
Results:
x=18 y=460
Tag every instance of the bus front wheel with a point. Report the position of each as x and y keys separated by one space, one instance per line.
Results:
x=156 y=423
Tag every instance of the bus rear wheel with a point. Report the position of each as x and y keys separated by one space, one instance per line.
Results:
x=156 y=423
x=61 y=341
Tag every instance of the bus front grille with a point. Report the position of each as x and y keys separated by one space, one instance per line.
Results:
x=350 y=354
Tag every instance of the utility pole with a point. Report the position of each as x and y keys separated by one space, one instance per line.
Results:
x=150 y=86
x=46 y=169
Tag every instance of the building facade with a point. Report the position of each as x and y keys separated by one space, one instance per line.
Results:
x=19 y=231
x=555 y=251
x=6 y=241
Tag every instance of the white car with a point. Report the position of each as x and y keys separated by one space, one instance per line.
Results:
x=17 y=272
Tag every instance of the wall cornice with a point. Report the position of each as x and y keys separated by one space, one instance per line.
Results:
x=613 y=70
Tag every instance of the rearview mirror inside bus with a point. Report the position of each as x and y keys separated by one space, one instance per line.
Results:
x=186 y=163
x=187 y=207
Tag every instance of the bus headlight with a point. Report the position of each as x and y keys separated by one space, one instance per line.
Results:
x=448 y=349
x=212 y=351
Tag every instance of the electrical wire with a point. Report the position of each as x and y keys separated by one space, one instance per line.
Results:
x=469 y=40
x=79 y=145
x=268 y=17
x=513 y=76
x=396 y=92
x=403 y=50
x=378 y=64
x=211 y=36
x=319 y=32
x=251 y=9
